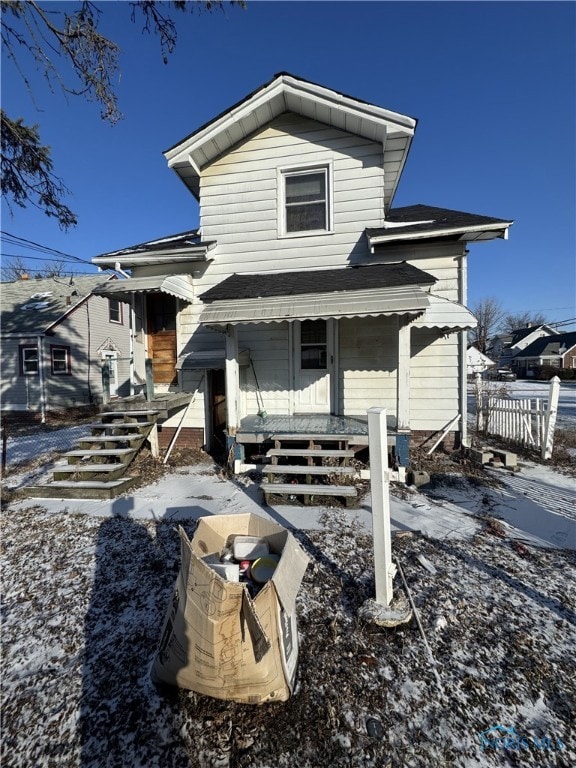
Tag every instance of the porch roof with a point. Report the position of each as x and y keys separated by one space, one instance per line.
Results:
x=409 y=300
x=180 y=286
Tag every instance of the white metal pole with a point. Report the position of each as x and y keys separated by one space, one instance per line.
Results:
x=384 y=567
x=551 y=414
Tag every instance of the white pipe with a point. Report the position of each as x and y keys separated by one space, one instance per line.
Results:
x=41 y=381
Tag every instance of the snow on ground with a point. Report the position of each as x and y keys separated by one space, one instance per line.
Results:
x=85 y=586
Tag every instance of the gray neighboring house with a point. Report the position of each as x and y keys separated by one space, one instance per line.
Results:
x=558 y=351
x=55 y=336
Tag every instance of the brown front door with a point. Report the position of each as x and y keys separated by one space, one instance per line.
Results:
x=161 y=327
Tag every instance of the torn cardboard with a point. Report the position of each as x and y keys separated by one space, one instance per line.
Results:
x=217 y=640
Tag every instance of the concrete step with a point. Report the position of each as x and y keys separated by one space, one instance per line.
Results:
x=88 y=471
x=334 y=453
x=125 y=455
x=87 y=489
x=303 y=469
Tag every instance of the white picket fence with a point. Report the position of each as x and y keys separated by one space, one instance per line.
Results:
x=529 y=422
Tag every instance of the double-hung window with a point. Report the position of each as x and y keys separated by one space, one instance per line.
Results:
x=306 y=200
x=28 y=361
x=114 y=311
x=60 y=360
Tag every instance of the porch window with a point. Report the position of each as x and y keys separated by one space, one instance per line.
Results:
x=60 y=361
x=306 y=201
x=313 y=345
x=28 y=361
x=114 y=311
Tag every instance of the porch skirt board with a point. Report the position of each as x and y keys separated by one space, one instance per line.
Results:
x=189 y=437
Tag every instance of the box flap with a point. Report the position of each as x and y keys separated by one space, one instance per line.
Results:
x=290 y=572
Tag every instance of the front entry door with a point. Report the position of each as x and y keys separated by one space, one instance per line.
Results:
x=161 y=329
x=313 y=362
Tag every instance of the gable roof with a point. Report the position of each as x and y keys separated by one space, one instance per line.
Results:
x=32 y=307
x=288 y=93
x=549 y=346
x=521 y=333
x=418 y=222
x=250 y=286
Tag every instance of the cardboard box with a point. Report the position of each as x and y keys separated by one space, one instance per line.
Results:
x=217 y=640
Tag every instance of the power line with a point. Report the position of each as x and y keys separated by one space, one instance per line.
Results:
x=33 y=246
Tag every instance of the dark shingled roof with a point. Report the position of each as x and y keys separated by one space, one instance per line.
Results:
x=549 y=345
x=176 y=242
x=252 y=286
x=440 y=218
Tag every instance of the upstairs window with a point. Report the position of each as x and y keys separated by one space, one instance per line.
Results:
x=60 y=360
x=28 y=361
x=306 y=201
x=114 y=311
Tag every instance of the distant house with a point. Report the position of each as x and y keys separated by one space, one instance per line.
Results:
x=55 y=337
x=505 y=347
x=557 y=351
x=477 y=362
x=305 y=297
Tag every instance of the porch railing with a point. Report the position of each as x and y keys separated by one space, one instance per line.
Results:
x=529 y=422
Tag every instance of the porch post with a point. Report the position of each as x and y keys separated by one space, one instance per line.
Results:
x=232 y=379
x=403 y=392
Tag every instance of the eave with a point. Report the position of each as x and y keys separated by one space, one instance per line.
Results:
x=286 y=93
x=465 y=234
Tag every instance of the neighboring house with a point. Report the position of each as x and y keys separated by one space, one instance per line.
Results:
x=505 y=347
x=304 y=293
x=558 y=351
x=55 y=336
x=477 y=362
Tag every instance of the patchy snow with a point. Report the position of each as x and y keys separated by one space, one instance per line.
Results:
x=86 y=585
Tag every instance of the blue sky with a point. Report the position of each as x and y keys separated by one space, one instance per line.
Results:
x=493 y=85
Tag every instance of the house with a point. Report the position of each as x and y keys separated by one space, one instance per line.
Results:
x=554 y=351
x=477 y=362
x=304 y=298
x=55 y=337
x=505 y=347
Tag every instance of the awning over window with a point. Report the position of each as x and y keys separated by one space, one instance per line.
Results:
x=445 y=315
x=406 y=300
x=180 y=286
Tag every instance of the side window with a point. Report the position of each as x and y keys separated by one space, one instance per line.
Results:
x=28 y=361
x=114 y=311
x=305 y=196
x=60 y=361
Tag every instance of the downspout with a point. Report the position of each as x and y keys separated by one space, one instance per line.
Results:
x=132 y=327
x=463 y=378
x=41 y=381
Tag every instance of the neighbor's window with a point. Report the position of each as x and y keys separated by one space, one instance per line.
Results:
x=28 y=361
x=60 y=360
x=114 y=311
x=306 y=201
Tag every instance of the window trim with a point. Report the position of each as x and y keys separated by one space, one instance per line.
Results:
x=22 y=348
x=68 y=361
x=120 y=321
x=305 y=169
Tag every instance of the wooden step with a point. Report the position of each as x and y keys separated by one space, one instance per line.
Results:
x=88 y=489
x=132 y=437
x=125 y=415
x=85 y=471
x=303 y=469
x=320 y=452
x=121 y=425
x=308 y=491
x=124 y=454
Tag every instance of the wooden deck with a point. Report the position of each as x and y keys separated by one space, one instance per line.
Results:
x=255 y=429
